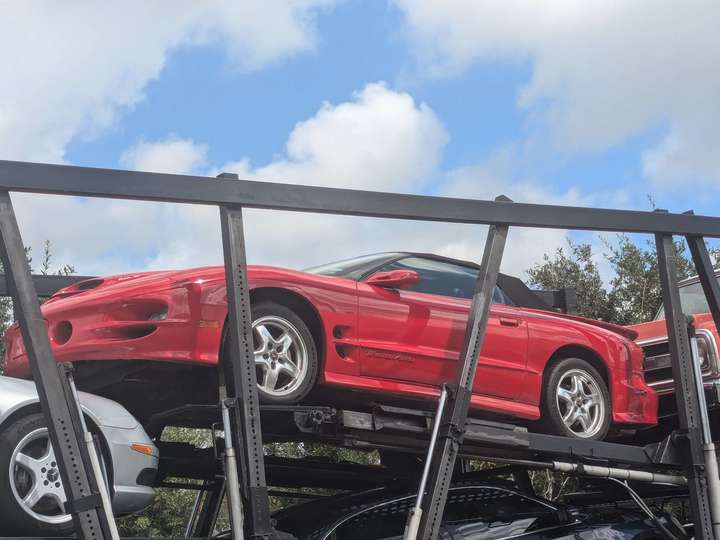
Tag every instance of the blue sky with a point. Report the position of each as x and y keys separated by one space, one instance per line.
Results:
x=547 y=103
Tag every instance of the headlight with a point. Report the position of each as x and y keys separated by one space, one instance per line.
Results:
x=706 y=350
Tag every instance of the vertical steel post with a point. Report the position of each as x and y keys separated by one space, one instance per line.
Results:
x=686 y=393
x=711 y=288
x=454 y=414
x=708 y=281
x=56 y=399
x=241 y=379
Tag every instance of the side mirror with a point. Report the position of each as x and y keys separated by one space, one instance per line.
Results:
x=394 y=279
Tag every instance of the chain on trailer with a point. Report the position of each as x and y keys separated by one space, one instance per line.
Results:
x=232 y=196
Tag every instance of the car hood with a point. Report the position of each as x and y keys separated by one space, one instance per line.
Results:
x=18 y=393
x=658 y=329
x=120 y=282
x=127 y=283
x=624 y=331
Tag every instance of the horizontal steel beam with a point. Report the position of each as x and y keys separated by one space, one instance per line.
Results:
x=44 y=285
x=110 y=183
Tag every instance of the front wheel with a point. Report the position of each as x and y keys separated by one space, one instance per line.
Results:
x=31 y=491
x=576 y=400
x=286 y=360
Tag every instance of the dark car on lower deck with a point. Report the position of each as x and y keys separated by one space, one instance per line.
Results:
x=475 y=511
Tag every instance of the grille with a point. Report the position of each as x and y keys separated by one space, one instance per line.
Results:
x=657 y=364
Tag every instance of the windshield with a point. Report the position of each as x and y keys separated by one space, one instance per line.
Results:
x=354 y=268
x=692 y=299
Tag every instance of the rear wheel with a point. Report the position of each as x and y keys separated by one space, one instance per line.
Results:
x=286 y=360
x=576 y=400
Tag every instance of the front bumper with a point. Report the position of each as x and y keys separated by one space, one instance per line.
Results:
x=635 y=403
x=173 y=325
x=668 y=402
x=133 y=472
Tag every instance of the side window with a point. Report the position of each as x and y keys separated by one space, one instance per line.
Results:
x=499 y=297
x=444 y=278
x=438 y=277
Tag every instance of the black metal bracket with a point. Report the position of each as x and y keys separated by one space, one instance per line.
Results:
x=83 y=505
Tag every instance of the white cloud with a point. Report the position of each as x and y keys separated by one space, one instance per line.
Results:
x=177 y=156
x=601 y=71
x=384 y=140
x=381 y=140
x=68 y=69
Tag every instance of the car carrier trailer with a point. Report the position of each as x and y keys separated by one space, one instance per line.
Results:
x=687 y=455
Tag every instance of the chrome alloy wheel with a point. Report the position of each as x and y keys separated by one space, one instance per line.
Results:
x=281 y=356
x=580 y=403
x=35 y=479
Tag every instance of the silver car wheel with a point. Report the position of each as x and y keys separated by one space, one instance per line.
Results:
x=281 y=356
x=580 y=403
x=35 y=479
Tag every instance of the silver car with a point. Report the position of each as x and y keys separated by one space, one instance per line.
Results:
x=31 y=492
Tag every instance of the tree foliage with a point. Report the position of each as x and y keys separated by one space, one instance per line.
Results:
x=574 y=267
x=632 y=294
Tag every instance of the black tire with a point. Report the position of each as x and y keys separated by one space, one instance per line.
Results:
x=15 y=520
x=554 y=407
x=305 y=384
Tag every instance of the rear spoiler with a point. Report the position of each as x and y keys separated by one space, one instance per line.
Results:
x=563 y=300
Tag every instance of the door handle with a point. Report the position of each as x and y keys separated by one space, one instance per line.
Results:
x=506 y=321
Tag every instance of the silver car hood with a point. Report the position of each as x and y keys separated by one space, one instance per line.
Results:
x=18 y=393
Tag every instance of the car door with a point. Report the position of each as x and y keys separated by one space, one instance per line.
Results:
x=415 y=334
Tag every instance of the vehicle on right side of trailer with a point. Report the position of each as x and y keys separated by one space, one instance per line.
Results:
x=653 y=338
x=474 y=511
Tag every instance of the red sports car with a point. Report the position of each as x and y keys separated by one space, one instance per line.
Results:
x=391 y=324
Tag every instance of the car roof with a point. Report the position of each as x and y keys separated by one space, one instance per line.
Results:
x=304 y=516
x=694 y=279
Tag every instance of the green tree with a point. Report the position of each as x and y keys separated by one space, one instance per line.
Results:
x=635 y=294
x=574 y=267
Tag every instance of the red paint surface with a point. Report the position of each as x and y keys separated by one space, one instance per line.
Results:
x=391 y=341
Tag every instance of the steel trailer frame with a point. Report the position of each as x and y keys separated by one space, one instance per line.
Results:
x=231 y=195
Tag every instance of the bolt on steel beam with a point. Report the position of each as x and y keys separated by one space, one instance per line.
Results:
x=454 y=413
x=56 y=398
x=686 y=394
x=240 y=379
